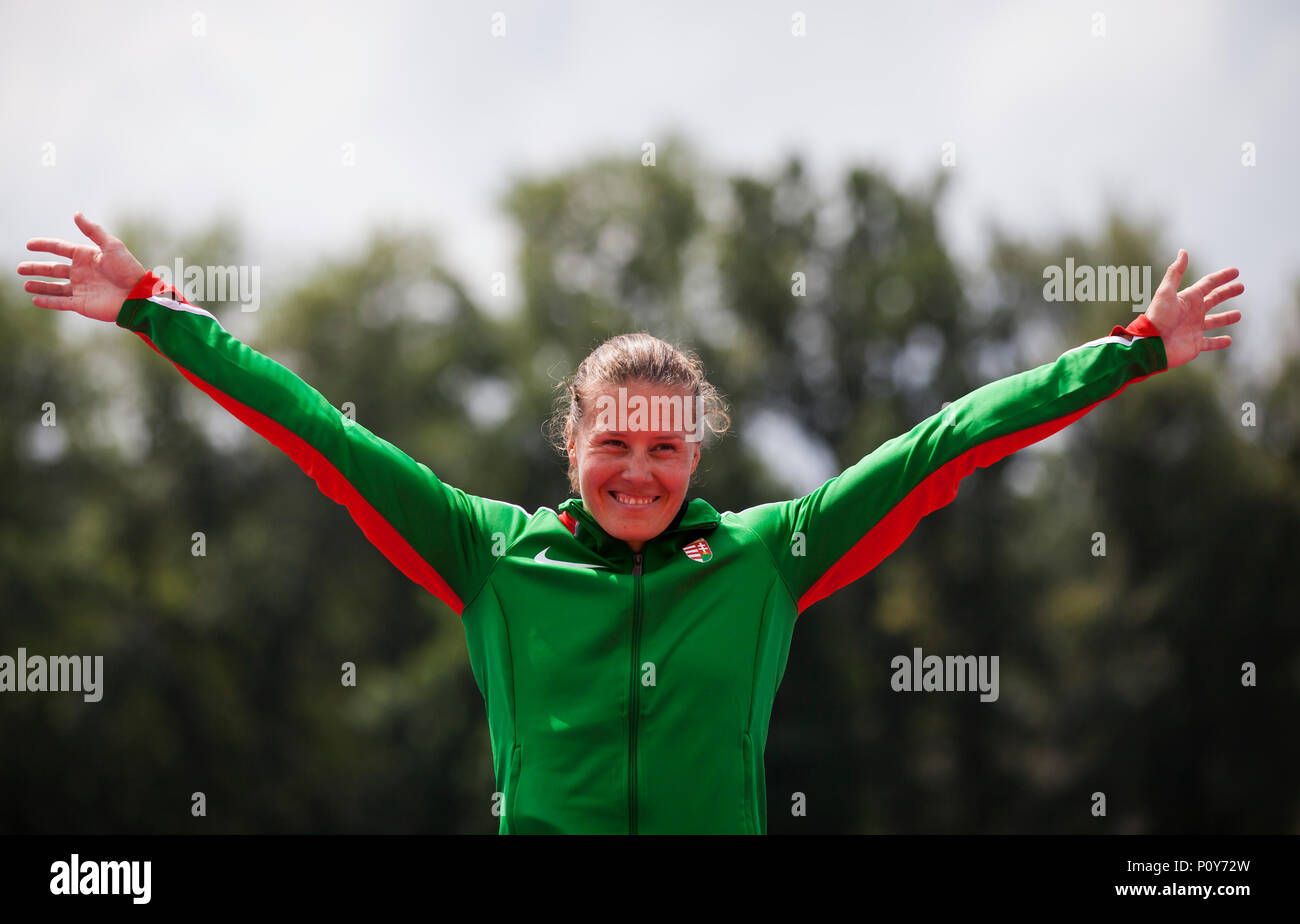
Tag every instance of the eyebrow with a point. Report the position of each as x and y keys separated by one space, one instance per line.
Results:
x=656 y=436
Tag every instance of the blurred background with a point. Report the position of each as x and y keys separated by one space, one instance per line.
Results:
x=447 y=208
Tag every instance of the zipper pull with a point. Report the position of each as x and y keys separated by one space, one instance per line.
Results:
x=636 y=564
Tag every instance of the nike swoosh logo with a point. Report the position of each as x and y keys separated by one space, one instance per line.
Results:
x=546 y=560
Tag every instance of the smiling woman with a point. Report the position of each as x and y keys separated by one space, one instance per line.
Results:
x=629 y=644
x=633 y=469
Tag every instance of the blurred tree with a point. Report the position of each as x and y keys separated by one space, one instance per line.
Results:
x=833 y=323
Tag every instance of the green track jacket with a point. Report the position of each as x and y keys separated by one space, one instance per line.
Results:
x=631 y=693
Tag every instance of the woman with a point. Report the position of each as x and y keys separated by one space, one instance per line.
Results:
x=629 y=644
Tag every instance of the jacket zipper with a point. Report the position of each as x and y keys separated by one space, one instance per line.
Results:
x=635 y=707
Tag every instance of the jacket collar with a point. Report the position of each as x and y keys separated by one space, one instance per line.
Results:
x=695 y=514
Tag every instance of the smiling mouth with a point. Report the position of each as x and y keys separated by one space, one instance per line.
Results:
x=633 y=500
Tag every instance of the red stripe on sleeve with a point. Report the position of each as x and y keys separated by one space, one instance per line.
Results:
x=938 y=489
x=1142 y=327
x=149 y=284
x=332 y=483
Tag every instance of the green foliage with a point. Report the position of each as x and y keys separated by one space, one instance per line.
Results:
x=1119 y=673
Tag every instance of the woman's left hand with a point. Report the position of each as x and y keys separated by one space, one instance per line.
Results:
x=1181 y=317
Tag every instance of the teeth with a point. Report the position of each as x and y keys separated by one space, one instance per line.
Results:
x=633 y=501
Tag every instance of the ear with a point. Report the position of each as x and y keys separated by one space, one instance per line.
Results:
x=699 y=451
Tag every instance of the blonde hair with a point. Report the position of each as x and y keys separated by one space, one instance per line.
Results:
x=625 y=358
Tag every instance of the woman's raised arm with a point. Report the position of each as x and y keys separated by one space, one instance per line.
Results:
x=444 y=539
x=836 y=534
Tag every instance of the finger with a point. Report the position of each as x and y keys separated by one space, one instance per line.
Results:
x=1212 y=280
x=1174 y=274
x=1215 y=343
x=1221 y=320
x=48 y=288
x=1223 y=293
x=92 y=230
x=52 y=245
x=57 y=270
x=53 y=301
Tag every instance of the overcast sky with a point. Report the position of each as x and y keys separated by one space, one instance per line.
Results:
x=1051 y=121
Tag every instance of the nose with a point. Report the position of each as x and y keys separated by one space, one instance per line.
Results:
x=637 y=469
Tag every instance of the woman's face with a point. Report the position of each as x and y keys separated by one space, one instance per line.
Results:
x=633 y=479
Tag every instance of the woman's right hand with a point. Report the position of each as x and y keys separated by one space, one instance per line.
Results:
x=99 y=277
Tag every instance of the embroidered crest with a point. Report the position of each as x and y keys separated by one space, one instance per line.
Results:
x=698 y=550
